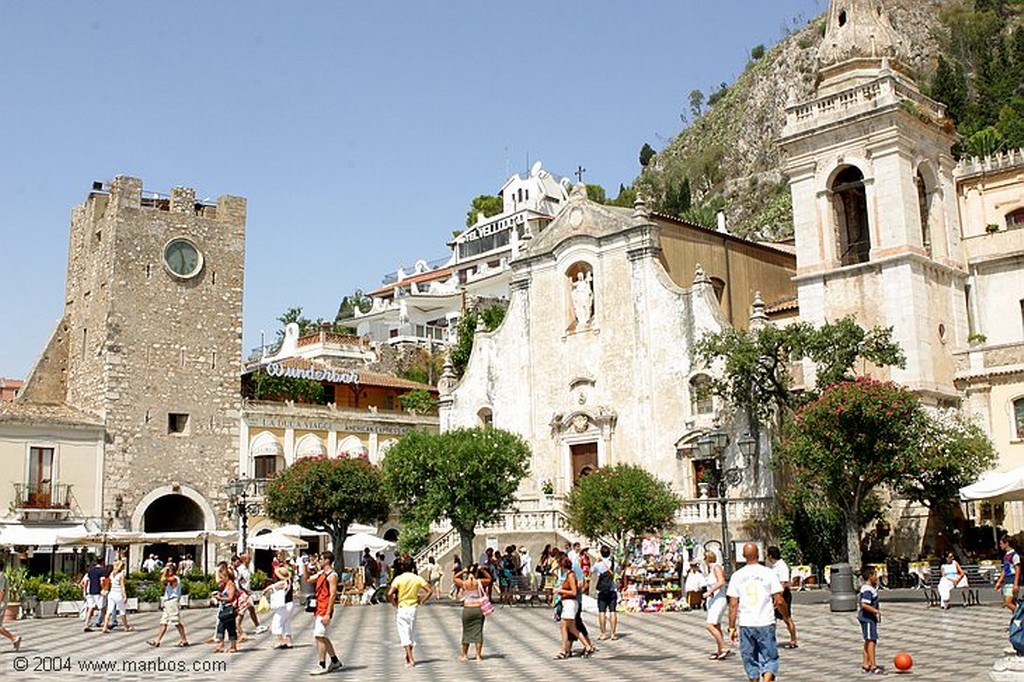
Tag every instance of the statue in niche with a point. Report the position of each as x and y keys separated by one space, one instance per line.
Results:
x=583 y=298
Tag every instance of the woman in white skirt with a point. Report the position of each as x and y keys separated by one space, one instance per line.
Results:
x=568 y=592
x=280 y=595
x=116 y=599
x=714 y=593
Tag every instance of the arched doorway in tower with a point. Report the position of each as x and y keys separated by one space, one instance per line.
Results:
x=171 y=513
x=851 y=214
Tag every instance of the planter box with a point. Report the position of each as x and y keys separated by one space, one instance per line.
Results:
x=183 y=601
x=47 y=609
x=131 y=604
x=148 y=606
x=70 y=608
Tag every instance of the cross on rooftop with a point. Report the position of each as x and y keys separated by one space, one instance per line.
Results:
x=580 y=170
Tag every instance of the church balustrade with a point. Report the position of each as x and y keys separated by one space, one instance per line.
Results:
x=710 y=510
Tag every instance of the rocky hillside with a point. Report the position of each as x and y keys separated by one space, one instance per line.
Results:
x=729 y=155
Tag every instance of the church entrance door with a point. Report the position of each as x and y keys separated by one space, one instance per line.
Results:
x=584 y=459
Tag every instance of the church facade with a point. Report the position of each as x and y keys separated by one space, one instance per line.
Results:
x=593 y=363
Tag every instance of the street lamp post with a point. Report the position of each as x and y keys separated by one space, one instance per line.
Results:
x=238 y=494
x=712 y=446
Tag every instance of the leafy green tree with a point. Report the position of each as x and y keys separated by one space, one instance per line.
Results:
x=856 y=437
x=294 y=314
x=954 y=453
x=985 y=142
x=328 y=495
x=626 y=197
x=485 y=203
x=597 y=194
x=621 y=502
x=465 y=475
x=757 y=52
x=755 y=375
x=357 y=300
x=646 y=154
x=460 y=352
x=261 y=386
x=418 y=401
x=696 y=103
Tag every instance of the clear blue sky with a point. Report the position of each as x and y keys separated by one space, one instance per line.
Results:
x=358 y=131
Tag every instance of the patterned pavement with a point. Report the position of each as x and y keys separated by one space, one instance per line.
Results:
x=959 y=644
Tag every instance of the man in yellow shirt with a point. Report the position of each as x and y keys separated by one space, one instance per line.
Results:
x=407 y=591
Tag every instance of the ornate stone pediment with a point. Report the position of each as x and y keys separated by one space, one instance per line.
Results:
x=580 y=421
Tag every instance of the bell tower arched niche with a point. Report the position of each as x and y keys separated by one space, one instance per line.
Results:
x=850 y=212
x=579 y=285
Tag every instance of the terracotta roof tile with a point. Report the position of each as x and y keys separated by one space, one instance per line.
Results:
x=46 y=413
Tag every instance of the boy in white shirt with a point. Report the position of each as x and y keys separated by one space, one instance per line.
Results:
x=754 y=593
x=781 y=568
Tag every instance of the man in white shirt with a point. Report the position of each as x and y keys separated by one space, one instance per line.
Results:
x=754 y=593
x=781 y=568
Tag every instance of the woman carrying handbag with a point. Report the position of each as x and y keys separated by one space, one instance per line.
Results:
x=568 y=593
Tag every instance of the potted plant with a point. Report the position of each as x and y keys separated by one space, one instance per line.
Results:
x=704 y=480
x=48 y=595
x=69 y=597
x=547 y=487
x=16 y=578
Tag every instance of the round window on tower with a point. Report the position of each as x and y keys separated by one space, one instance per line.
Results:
x=182 y=258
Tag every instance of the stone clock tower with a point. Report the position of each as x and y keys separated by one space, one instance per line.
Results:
x=871 y=174
x=150 y=342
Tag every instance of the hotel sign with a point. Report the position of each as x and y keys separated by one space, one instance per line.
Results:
x=276 y=369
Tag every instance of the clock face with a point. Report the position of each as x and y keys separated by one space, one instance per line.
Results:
x=183 y=258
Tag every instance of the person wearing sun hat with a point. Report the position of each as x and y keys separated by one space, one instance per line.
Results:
x=281 y=598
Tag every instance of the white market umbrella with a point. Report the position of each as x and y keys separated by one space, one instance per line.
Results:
x=276 y=540
x=359 y=541
x=996 y=486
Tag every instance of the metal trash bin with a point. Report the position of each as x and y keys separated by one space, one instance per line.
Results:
x=844 y=596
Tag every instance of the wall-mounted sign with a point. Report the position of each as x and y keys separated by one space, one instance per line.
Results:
x=276 y=369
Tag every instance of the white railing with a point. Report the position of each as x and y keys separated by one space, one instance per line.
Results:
x=738 y=510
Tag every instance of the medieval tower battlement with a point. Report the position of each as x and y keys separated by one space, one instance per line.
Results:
x=151 y=343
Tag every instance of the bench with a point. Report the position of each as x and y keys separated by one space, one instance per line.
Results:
x=519 y=592
x=969 y=588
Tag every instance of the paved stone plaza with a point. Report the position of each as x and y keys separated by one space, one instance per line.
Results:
x=959 y=644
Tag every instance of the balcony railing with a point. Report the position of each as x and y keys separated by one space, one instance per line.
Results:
x=45 y=496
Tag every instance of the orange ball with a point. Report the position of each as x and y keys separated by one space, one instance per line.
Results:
x=903 y=661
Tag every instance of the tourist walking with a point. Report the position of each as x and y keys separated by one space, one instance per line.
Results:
x=227 y=610
x=434 y=575
x=781 y=568
x=171 y=608
x=406 y=593
x=472 y=583
x=1009 y=579
x=15 y=639
x=281 y=597
x=951 y=574
x=716 y=601
x=453 y=593
x=371 y=576
x=754 y=593
x=116 y=599
x=326 y=591
x=243 y=581
x=869 y=616
x=567 y=594
x=607 y=595
x=92 y=587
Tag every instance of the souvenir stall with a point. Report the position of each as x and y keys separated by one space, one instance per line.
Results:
x=652 y=578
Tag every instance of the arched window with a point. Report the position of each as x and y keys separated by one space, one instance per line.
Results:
x=310 y=446
x=924 y=200
x=267 y=455
x=353 y=448
x=486 y=417
x=718 y=285
x=701 y=401
x=1018 y=418
x=851 y=212
x=1015 y=219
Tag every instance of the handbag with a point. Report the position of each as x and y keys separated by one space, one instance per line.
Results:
x=486 y=607
x=277 y=599
x=263 y=606
x=227 y=612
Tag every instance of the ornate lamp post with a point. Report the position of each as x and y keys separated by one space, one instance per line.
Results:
x=712 y=446
x=238 y=490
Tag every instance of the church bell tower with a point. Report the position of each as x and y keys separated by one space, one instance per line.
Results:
x=870 y=170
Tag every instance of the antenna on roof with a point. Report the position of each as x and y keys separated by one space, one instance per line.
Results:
x=508 y=165
x=527 y=160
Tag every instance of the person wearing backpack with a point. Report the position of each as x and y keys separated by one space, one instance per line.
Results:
x=607 y=595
